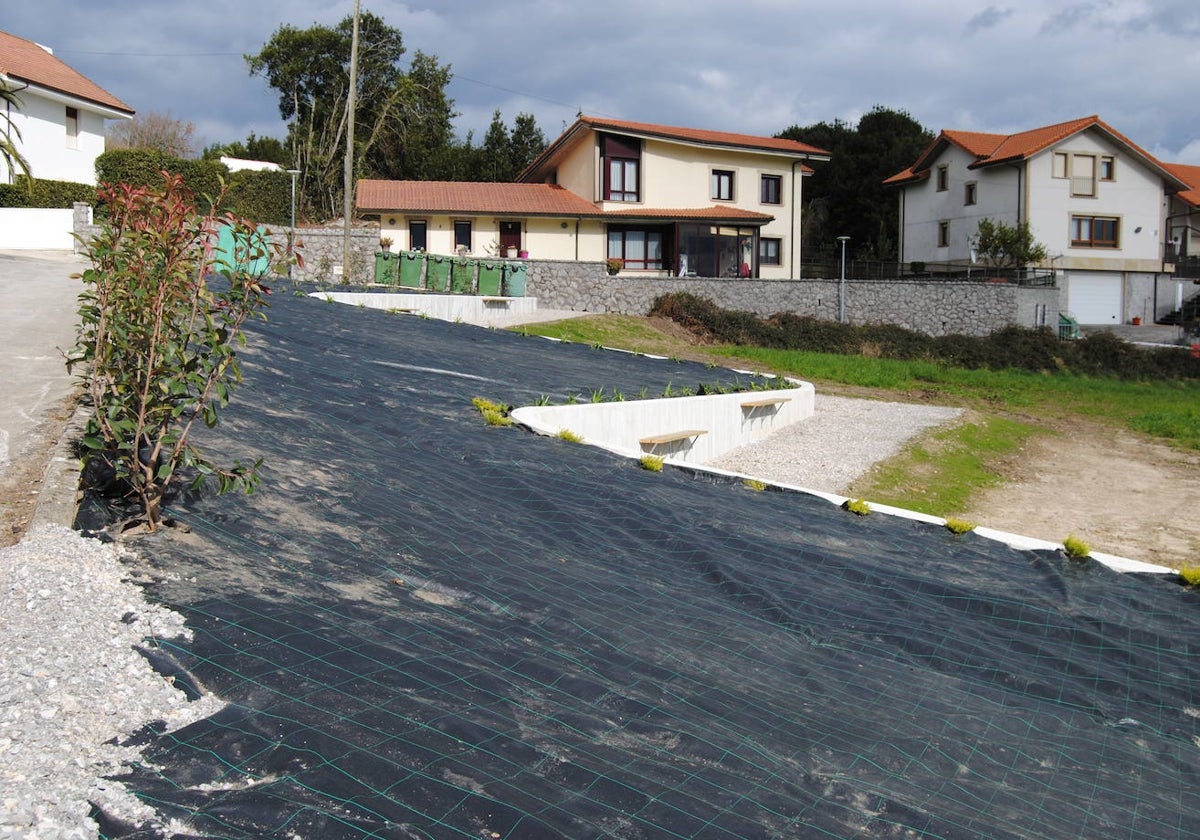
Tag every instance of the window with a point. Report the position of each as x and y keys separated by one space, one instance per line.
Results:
x=622 y=161
x=970 y=193
x=638 y=248
x=622 y=180
x=1060 y=165
x=1108 y=168
x=943 y=178
x=772 y=189
x=769 y=251
x=1094 y=232
x=72 y=123
x=943 y=235
x=418 y=236
x=1083 y=175
x=462 y=235
x=722 y=185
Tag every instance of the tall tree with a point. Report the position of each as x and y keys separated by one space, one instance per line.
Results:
x=504 y=153
x=402 y=117
x=421 y=137
x=154 y=130
x=252 y=148
x=495 y=155
x=846 y=196
x=527 y=142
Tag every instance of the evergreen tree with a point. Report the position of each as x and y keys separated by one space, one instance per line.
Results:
x=846 y=196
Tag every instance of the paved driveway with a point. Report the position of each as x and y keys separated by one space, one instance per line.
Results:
x=37 y=326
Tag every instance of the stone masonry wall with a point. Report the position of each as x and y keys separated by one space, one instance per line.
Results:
x=936 y=307
x=321 y=249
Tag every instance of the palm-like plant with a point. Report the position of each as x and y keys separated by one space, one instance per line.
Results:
x=10 y=134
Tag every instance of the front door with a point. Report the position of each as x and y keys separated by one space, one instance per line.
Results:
x=510 y=237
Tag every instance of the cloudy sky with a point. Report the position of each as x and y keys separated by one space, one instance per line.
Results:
x=755 y=66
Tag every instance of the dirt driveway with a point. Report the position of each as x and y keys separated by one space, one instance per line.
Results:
x=1120 y=493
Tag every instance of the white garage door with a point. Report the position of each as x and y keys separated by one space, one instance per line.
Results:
x=1095 y=297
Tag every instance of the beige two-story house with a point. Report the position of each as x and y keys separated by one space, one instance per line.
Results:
x=1098 y=202
x=660 y=199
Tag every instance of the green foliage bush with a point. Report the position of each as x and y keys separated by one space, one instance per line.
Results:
x=1020 y=348
x=144 y=168
x=56 y=195
x=265 y=197
x=157 y=342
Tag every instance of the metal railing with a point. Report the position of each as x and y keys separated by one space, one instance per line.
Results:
x=883 y=270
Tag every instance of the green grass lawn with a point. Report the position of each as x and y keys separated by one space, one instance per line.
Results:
x=938 y=472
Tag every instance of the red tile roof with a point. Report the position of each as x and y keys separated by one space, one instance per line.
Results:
x=27 y=62
x=993 y=149
x=471 y=197
x=705 y=137
x=475 y=197
x=1189 y=175
x=715 y=139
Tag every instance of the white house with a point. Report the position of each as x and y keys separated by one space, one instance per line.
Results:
x=1096 y=200
x=61 y=113
x=661 y=199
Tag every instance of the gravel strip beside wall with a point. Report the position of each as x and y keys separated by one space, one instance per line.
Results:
x=840 y=442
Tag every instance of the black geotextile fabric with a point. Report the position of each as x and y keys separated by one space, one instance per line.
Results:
x=426 y=627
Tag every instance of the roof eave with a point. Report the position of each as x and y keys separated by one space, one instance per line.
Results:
x=55 y=95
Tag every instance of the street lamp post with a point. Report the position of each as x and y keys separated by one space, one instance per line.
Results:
x=292 y=230
x=842 y=283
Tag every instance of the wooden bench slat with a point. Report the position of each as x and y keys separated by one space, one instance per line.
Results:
x=671 y=437
x=766 y=402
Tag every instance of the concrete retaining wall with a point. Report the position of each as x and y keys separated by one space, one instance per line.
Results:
x=726 y=420
x=472 y=309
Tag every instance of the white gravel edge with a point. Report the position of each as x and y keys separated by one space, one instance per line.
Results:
x=71 y=682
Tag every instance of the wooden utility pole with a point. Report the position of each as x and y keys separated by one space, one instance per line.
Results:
x=348 y=170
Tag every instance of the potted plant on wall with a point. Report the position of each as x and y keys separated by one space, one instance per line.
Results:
x=613 y=264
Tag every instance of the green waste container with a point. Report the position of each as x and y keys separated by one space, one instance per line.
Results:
x=385 y=268
x=462 y=276
x=514 y=278
x=437 y=273
x=490 y=275
x=412 y=264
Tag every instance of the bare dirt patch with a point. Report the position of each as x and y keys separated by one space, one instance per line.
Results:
x=1120 y=493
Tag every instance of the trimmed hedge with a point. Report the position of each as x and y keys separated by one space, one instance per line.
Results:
x=144 y=168
x=264 y=197
x=45 y=194
x=1099 y=354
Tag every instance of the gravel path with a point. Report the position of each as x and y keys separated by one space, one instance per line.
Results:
x=840 y=442
x=72 y=685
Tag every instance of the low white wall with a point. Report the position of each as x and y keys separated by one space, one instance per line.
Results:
x=727 y=420
x=468 y=308
x=32 y=229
